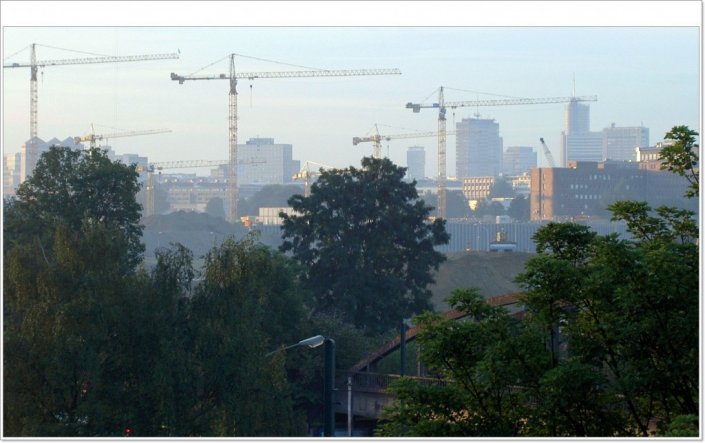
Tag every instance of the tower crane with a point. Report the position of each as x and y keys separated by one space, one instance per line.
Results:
x=376 y=139
x=233 y=76
x=547 y=154
x=305 y=173
x=442 y=105
x=92 y=137
x=34 y=66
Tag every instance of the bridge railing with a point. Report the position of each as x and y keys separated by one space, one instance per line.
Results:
x=375 y=382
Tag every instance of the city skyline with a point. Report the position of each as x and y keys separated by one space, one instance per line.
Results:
x=643 y=75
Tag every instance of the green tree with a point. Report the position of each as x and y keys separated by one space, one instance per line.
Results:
x=520 y=208
x=616 y=313
x=682 y=157
x=70 y=287
x=488 y=208
x=607 y=345
x=76 y=188
x=487 y=360
x=216 y=207
x=502 y=189
x=365 y=245
x=270 y=196
x=247 y=305
x=456 y=204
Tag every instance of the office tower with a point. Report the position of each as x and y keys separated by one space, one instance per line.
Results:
x=518 y=159
x=577 y=142
x=261 y=161
x=416 y=163
x=478 y=148
x=577 y=118
x=620 y=143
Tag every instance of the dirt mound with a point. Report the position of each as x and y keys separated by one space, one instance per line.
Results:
x=492 y=273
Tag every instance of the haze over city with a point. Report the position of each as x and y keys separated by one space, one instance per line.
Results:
x=641 y=60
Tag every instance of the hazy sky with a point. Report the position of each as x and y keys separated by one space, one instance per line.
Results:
x=641 y=59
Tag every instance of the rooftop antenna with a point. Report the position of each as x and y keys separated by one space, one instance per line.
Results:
x=574 y=84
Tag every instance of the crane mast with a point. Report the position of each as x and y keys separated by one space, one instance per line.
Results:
x=442 y=105
x=232 y=144
x=232 y=109
x=34 y=65
x=441 y=155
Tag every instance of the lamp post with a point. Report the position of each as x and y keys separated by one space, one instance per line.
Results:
x=329 y=378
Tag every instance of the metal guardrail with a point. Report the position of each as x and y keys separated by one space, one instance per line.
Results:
x=378 y=383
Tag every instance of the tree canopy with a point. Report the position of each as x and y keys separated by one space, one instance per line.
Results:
x=608 y=343
x=456 y=203
x=365 y=244
x=95 y=344
x=76 y=190
x=681 y=157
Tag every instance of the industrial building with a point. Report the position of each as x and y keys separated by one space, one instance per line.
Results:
x=585 y=189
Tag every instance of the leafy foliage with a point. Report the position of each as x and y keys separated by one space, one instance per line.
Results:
x=216 y=207
x=520 y=208
x=270 y=196
x=607 y=346
x=682 y=157
x=456 y=204
x=76 y=189
x=365 y=246
x=94 y=344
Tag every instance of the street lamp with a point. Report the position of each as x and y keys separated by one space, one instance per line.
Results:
x=329 y=378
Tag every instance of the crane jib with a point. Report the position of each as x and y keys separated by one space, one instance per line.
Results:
x=290 y=74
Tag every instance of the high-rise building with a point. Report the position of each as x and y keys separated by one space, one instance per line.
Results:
x=478 y=148
x=416 y=163
x=577 y=142
x=518 y=159
x=261 y=161
x=577 y=118
x=620 y=143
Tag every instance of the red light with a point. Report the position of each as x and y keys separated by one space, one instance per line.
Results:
x=127 y=432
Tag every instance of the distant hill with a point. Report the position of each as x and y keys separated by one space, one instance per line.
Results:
x=492 y=273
